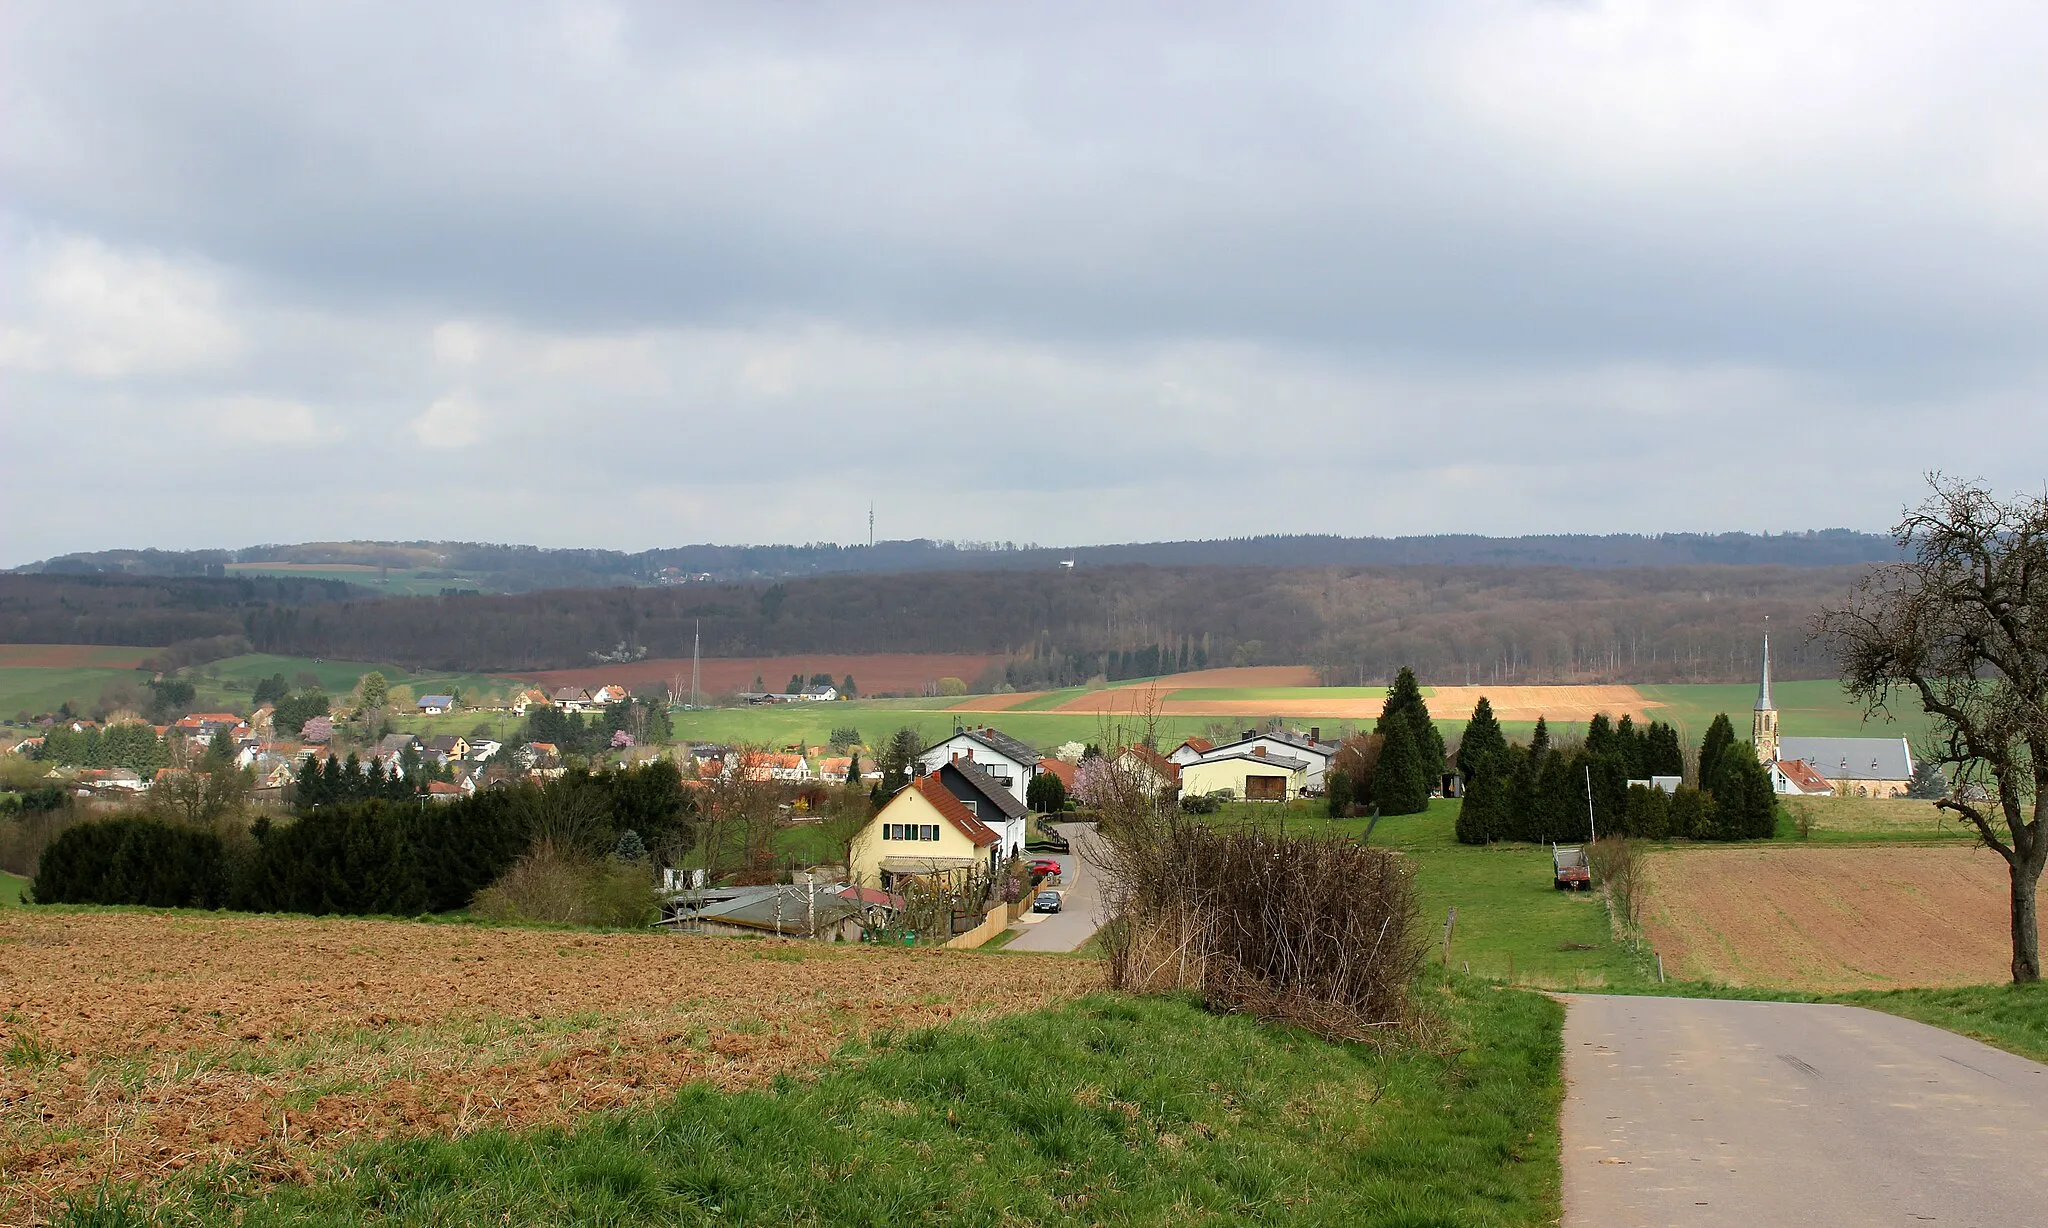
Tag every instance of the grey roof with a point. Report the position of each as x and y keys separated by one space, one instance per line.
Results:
x=1299 y=741
x=997 y=741
x=1852 y=758
x=436 y=701
x=1280 y=761
x=395 y=742
x=986 y=785
x=783 y=907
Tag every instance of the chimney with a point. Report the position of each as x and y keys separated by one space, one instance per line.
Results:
x=1315 y=733
x=1251 y=733
x=1260 y=751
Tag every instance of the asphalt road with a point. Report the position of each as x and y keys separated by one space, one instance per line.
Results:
x=1682 y=1111
x=1080 y=912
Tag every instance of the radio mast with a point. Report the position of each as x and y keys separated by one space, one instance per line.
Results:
x=696 y=645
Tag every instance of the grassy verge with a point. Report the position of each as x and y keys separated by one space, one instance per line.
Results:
x=11 y=887
x=1107 y=1110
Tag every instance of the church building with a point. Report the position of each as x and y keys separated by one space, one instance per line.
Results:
x=1844 y=767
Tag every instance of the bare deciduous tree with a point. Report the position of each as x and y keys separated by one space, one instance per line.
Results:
x=1962 y=626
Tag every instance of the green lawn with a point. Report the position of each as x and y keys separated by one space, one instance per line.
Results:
x=1512 y=924
x=237 y=676
x=37 y=691
x=11 y=887
x=1106 y=1110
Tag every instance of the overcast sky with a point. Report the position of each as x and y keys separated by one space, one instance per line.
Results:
x=629 y=275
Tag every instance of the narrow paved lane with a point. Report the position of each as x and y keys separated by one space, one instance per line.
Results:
x=1761 y=1114
x=1080 y=914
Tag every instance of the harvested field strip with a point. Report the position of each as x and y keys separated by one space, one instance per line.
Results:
x=1554 y=703
x=1837 y=918
x=71 y=656
x=872 y=673
x=139 y=1044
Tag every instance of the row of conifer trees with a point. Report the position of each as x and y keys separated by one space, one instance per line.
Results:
x=1545 y=794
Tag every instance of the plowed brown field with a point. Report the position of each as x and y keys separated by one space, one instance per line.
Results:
x=873 y=674
x=1832 y=919
x=140 y=1044
x=70 y=656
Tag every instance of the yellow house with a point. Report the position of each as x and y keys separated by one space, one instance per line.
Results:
x=923 y=830
x=1250 y=773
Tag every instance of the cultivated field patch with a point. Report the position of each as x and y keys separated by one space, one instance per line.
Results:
x=134 y=1045
x=71 y=656
x=1553 y=703
x=872 y=672
x=1828 y=919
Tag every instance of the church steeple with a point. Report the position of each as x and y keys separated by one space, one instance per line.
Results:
x=1763 y=729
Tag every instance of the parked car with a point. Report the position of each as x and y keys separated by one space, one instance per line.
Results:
x=1045 y=866
x=1046 y=901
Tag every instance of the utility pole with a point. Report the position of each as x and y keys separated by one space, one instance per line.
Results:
x=696 y=648
x=1595 y=832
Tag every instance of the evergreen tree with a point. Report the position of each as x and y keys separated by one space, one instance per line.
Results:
x=1631 y=743
x=1663 y=754
x=1692 y=814
x=1539 y=743
x=1482 y=815
x=375 y=690
x=1484 y=747
x=1720 y=737
x=330 y=780
x=796 y=683
x=1404 y=703
x=1046 y=794
x=1337 y=789
x=270 y=690
x=1599 y=734
x=630 y=847
x=1402 y=779
x=846 y=687
x=1745 y=808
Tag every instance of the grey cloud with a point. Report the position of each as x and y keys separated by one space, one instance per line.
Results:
x=1535 y=250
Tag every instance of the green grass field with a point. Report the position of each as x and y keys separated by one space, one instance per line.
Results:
x=36 y=691
x=239 y=675
x=11 y=887
x=1106 y=1110
x=1512 y=924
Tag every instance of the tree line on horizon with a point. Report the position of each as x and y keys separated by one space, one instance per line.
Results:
x=1353 y=626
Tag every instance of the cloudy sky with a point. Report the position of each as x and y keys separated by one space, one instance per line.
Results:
x=628 y=275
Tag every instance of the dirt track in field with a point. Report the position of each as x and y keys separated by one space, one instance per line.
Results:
x=872 y=673
x=1832 y=918
x=70 y=656
x=143 y=1044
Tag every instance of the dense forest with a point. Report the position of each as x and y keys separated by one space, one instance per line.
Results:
x=518 y=569
x=1452 y=624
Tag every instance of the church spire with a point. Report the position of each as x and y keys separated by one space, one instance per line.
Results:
x=1763 y=695
x=1763 y=727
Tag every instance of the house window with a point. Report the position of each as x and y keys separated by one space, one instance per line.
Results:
x=973 y=808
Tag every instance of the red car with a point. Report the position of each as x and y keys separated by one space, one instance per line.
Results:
x=1045 y=867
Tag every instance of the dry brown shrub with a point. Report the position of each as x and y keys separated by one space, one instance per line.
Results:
x=1316 y=932
x=1617 y=865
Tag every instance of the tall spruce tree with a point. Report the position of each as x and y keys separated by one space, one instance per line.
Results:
x=1401 y=781
x=1484 y=748
x=1663 y=753
x=1539 y=743
x=1720 y=737
x=1404 y=702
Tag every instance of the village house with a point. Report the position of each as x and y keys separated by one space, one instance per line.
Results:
x=436 y=705
x=528 y=698
x=833 y=771
x=1250 y=772
x=610 y=693
x=571 y=699
x=1309 y=748
x=818 y=694
x=1152 y=771
x=1191 y=750
x=447 y=747
x=988 y=801
x=1008 y=761
x=923 y=831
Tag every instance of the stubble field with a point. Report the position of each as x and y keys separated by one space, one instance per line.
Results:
x=134 y=1045
x=1831 y=919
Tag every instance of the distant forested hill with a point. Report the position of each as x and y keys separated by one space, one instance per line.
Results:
x=516 y=569
x=1527 y=624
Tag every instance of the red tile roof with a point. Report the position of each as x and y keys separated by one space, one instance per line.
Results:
x=1060 y=768
x=1802 y=774
x=1167 y=768
x=1199 y=745
x=956 y=814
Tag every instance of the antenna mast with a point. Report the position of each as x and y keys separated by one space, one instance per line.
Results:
x=871 y=524
x=696 y=646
